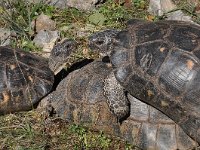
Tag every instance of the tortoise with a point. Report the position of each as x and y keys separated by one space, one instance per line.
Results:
x=82 y=98
x=24 y=80
x=158 y=63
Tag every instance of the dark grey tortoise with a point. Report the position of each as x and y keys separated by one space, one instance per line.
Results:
x=82 y=98
x=158 y=63
x=79 y=98
x=24 y=80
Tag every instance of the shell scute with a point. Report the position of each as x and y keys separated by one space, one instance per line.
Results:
x=21 y=73
x=150 y=56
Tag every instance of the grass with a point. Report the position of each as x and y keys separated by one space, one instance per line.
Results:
x=20 y=16
x=32 y=131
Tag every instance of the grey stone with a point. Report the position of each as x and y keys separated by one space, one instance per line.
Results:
x=178 y=15
x=43 y=22
x=159 y=7
x=79 y=4
x=4 y=36
x=46 y=39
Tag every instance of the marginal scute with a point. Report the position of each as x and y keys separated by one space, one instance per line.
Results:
x=138 y=110
x=149 y=128
x=166 y=135
x=136 y=84
x=148 y=136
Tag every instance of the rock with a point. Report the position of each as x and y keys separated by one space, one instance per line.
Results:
x=5 y=35
x=46 y=39
x=163 y=7
x=59 y=3
x=43 y=22
x=178 y=15
x=79 y=4
x=159 y=7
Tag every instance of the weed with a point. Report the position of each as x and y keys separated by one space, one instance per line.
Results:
x=18 y=17
x=30 y=130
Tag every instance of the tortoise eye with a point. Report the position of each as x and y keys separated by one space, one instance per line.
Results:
x=100 y=42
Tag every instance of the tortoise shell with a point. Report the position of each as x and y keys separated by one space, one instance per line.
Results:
x=148 y=128
x=24 y=80
x=158 y=63
x=81 y=98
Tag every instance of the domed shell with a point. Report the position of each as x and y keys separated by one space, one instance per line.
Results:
x=79 y=98
x=24 y=79
x=158 y=62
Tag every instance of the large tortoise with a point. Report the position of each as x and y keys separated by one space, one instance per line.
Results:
x=158 y=63
x=82 y=98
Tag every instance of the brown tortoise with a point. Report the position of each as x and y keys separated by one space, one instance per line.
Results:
x=86 y=96
x=158 y=63
x=24 y=79
x=82 y=98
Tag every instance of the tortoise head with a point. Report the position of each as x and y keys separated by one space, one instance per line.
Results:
x=102 y=41
x=61 y=53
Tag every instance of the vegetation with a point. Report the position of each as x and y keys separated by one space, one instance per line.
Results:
x=20 y=15
x=31 y=131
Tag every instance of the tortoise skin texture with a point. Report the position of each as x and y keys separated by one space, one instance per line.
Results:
x=24 y=80
x=80 y=98
x=158 y=63
x=61 y=53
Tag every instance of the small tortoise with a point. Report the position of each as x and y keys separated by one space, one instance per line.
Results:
x=79 y=98
x=82 y=98
x=24 y=79
x=158 y=63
